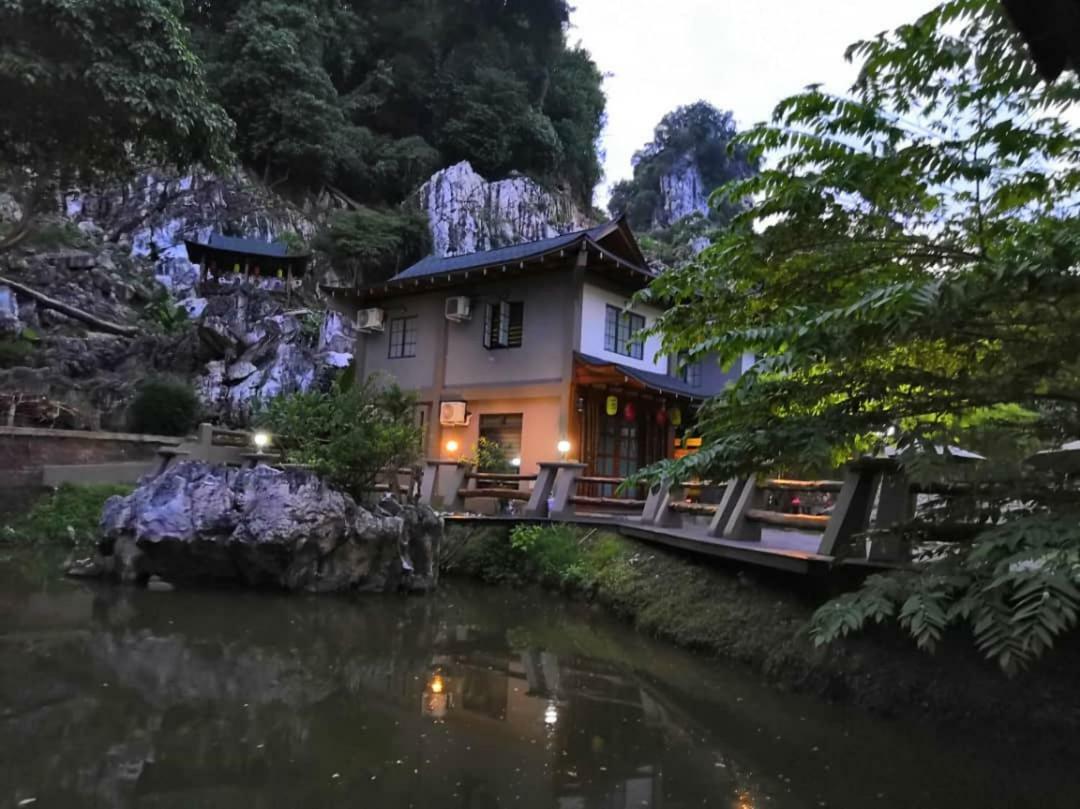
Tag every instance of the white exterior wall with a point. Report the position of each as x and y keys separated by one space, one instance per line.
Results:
x=594 y=303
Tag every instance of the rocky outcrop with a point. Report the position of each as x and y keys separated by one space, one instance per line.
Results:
x=467 y=213
x=682 y=192
x=157 y=211
x=264 y=527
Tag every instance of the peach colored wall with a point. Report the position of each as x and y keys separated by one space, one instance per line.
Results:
x=539 y=429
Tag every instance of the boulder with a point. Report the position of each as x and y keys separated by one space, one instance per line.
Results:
x=264 y=527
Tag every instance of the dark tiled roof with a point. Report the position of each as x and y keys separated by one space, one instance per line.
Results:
x=254 y=247
x=434 y=265
x=652 y=379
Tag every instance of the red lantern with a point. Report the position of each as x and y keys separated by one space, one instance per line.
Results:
x=661 y=417
x=629 y=412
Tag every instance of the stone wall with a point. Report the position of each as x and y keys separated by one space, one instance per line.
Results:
x=25 y=450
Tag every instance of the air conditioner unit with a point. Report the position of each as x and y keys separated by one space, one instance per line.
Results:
x=370 y=320
x=458 y=309
x=452 y=414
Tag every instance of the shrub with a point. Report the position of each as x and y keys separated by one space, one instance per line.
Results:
x=15 y=353
x=68 y=517
x=348 y=434
x=164 y=407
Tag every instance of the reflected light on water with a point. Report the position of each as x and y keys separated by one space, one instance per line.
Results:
x=551 y=714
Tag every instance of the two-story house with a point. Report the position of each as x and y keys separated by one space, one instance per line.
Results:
x=533 y=345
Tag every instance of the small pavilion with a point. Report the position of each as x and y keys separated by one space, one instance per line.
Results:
x=223 y=256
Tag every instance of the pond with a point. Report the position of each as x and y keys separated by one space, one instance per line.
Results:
x=473 y=698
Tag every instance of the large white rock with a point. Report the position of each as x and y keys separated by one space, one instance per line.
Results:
x=683 y=193
x=467 y=213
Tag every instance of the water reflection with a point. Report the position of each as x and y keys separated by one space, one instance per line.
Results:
x=471 y=699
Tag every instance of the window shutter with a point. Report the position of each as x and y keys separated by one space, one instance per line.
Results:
x=516 y=320
x=504 y=323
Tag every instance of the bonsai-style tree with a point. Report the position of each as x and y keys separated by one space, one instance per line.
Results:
x=909 y=271
x=348 y=434
x=94 y=87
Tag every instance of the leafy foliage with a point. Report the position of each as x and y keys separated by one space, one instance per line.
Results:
x=122 y=70
x=164 y=407
x=699 y=137
x=166 y=315
x=348 y=434
x=488 y=456
x=374 y=244
x=371 y=96
x=907 y=272
x=68 y=517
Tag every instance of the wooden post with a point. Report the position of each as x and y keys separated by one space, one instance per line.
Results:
x=565 y=486
x=454 y=483
x=653 y=501
x=738 y=525
x=545 y=482
x=726 y=505
x=852 y=511
x=666 y=517
x=896 y=504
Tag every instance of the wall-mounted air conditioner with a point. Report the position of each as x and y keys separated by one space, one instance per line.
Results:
x=453 y=414
x=458 y=309
x=370 y=320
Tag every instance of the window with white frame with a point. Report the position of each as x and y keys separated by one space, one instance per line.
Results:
x=620 y=327
x=689 y=371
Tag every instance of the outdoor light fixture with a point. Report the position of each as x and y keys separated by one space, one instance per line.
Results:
x=563 y=447
x=261 y=440
x=451 y=446
x=515 y=462
x=436 y=685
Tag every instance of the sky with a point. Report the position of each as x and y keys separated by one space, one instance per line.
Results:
x=740 y=55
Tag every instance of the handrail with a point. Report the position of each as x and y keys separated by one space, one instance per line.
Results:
x=620 y=502
x=600 y=480
x=782 y=484
x=499 y=477
x=817 y=522
x=497 y=494
x=687 y=507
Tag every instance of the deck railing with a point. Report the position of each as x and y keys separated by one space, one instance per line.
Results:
x=873 y=496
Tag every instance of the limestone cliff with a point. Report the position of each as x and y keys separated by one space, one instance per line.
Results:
x=468 y=213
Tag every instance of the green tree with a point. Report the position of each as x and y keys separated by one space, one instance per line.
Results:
x=375 y=244
x=698 y=135
x=907 y=271
x=348 y=434
x=94 y=87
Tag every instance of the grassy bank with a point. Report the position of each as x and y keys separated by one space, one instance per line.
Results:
x=65 y=518
x=759 y=619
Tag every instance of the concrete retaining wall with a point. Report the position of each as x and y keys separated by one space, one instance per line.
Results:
x=25 y=452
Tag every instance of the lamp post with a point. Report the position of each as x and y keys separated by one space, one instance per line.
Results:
x=563 y=447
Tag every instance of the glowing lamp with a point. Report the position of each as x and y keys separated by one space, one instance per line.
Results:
x=261 y=440
x=611 y=405
x=437 y=685
x=452 y=446
x=563 y=447
x=515 y=462
x=629 y=412
x=676 y=416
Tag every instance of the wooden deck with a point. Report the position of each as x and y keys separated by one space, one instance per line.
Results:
x=792 y=551
x=747 y=522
